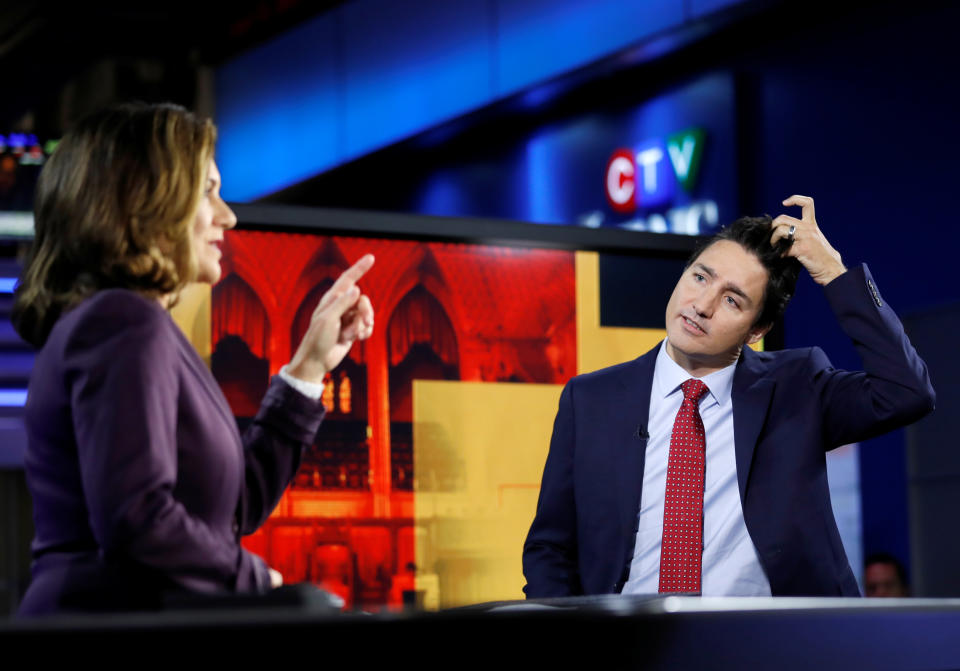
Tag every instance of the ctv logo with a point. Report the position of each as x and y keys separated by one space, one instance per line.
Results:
x=647 y=176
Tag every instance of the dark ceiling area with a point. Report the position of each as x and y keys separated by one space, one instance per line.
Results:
x=59 y=59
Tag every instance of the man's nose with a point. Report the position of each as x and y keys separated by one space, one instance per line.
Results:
x=706 y=303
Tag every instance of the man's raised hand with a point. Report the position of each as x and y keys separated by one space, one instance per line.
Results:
x=809 y=246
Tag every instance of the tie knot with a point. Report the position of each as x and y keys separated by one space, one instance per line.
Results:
x=693 y=390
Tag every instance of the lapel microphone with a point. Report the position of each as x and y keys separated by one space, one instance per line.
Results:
x=641 y=432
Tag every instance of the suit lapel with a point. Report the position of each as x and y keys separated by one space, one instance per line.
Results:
x=205 y=378
x=752 y=392
x=630 y=436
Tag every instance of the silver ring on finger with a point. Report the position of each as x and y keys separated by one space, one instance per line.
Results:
x=791 y=231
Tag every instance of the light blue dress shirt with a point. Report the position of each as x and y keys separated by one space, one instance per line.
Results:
x=731 y=566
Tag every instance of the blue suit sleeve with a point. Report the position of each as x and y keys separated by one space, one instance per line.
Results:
x=893 y=389
x=550 y=551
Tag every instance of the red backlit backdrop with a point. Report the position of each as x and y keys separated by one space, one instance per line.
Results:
x=444 y=311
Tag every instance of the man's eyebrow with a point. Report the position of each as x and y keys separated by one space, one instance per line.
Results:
x=707 y=269
x=729 y=286
x=733 y=288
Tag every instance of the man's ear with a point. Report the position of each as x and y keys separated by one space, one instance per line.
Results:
x=756 y=333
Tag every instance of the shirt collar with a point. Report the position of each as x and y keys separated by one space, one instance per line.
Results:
x=668 y=375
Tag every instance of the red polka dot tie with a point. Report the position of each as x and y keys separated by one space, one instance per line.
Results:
x=682 y=547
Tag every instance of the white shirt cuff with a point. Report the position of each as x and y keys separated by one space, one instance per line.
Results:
x=308 y=389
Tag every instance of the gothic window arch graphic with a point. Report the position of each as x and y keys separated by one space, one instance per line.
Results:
x=237 y=310
x=420 y=339
x=301 y=319
x=320 y=270
x=451 y=314
x=350 y=389
x=240 y=333
x=339 y=458
x=421 y=345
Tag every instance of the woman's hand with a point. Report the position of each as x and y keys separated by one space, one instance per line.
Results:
x=342 y=316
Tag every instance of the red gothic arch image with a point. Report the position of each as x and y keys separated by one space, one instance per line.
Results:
x=444 y=311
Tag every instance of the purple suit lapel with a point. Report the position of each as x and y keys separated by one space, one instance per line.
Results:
x=206 y=380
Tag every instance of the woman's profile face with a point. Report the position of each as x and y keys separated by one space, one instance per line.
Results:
x=212 y=220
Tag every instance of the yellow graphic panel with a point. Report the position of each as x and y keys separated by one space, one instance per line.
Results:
x=599 y=347
x=479 y=450
x=192 y=315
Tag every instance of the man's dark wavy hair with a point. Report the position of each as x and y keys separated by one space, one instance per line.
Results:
x=753 y=234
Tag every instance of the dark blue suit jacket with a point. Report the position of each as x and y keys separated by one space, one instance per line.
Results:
x=789 y=408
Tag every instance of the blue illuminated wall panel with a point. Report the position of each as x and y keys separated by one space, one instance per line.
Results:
x=539 y=39
x=278 y=111
x=700 y=8
x=372 y=72
x=556 y=174
x=412 y=65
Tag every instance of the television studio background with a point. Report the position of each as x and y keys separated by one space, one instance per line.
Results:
x=429 y=133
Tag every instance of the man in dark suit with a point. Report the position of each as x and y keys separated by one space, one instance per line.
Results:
x=724 y=486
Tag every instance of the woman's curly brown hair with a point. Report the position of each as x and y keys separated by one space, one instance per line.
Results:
x=114 y=207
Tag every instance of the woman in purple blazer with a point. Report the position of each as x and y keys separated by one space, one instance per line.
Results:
x=141 y=482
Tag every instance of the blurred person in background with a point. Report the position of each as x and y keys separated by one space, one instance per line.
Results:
x=142 y=485
x=885 y=576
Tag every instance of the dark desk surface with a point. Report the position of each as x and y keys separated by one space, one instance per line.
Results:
x=596 y=632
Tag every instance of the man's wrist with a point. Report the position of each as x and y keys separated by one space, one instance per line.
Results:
x=826 y=278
